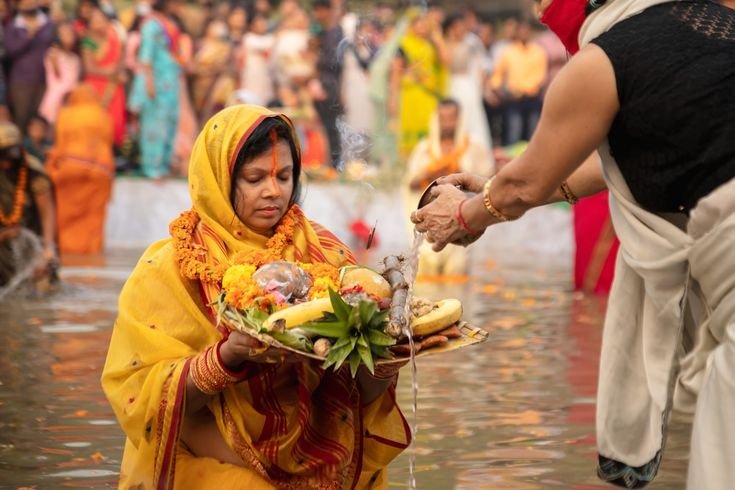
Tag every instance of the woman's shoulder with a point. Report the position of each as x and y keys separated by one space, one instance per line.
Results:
x=333 y=245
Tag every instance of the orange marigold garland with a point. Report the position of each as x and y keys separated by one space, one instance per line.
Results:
x=240 y=289
x=19 y=201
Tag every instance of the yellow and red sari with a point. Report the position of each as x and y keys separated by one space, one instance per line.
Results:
x=294 y=425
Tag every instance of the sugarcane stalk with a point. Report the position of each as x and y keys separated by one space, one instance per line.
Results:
x=397 y=322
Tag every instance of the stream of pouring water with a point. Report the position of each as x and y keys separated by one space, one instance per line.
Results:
x=409 y=274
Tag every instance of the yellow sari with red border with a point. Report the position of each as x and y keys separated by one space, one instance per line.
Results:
x=294 y=426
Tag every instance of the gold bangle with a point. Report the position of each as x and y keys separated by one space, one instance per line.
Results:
x=568 y=194
x=489 y=203
x=208 y=374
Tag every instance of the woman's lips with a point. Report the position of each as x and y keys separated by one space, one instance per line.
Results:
x=268 y=211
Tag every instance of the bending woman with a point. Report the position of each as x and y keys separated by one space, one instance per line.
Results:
x=665 y=136
x=261 y=422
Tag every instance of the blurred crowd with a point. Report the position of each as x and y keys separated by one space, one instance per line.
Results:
x=357 y=85
x=89 y=91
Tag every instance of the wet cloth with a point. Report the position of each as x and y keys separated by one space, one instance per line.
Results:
x=596 y=245
x=288 y=423
x=81 y=167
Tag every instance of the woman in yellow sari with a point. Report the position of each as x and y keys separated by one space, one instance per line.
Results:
x=258 y=422
x=419 y=77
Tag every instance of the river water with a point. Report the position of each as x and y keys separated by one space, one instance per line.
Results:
x=516 y=412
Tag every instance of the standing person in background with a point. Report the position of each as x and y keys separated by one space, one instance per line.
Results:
x=237 y=25
x=27 y=38
x=188 y=126
x=418 y=80
x=63 y=70
x=155 y=92
x=384 y=126
x=556 y=53
x=256 y=75
x=507 y=36
x=211 y=71
x=103 y=54
x=325 y=89
x=491 y=105
x=518 y=80
x=82 y=167
x=465 y=82
x=359 y=52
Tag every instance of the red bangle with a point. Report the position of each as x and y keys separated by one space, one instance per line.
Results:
x=463 y=223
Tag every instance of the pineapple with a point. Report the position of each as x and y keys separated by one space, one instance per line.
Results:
x=355 y=333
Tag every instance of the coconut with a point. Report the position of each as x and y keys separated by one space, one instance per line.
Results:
x=370 y=281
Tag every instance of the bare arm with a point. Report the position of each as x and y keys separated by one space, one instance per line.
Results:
x=586 y=181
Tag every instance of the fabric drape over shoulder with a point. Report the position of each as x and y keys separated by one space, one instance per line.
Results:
x=293 y=426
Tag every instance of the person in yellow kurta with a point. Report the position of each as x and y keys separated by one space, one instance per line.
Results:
x=262 y=419
x=419 y=77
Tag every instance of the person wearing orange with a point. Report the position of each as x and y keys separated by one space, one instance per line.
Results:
x=103 y=54
x=204 y=408
x=81 y=167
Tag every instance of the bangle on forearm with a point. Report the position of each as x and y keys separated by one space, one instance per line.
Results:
x=568 y=194
x=463 y=224
x=495 y=212
x=209 y=374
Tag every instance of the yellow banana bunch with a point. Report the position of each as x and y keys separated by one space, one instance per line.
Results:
x=444 y=314
x=297 y=315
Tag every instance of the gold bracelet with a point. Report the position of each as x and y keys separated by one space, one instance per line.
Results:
x=568 y=194
x=489 y=203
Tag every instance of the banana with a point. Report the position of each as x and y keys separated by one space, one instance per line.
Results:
x=445 y=313
x=297 y=315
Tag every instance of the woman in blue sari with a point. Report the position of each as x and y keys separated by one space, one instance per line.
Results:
x=155 y=91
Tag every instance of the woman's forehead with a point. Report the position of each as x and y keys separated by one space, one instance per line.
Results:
x=265 y=160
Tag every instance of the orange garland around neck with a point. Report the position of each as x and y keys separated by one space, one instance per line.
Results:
x=192 y=257
x=19 y=201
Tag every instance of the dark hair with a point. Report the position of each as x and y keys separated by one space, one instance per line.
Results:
x=37 y=118
x=449 y=102
x=258 y=143
x=326 y=4
x=450 y=21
